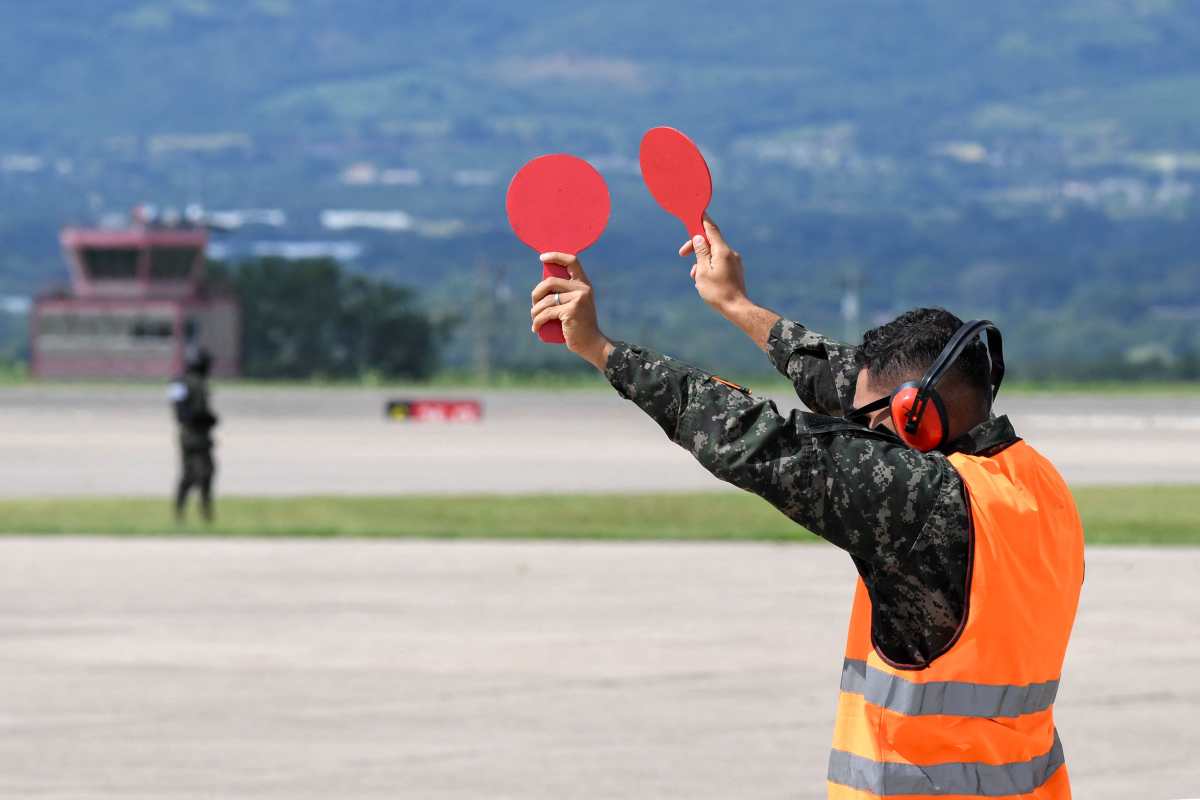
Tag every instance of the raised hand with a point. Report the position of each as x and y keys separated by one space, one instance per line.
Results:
x=721 y=282
x=718 y=272
x=572 y=302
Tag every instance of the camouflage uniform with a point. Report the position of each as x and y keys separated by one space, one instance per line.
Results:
x=900 y=514
x=189 y=395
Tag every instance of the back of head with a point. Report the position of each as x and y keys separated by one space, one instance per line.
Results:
x=904 y=349
x=197 y=360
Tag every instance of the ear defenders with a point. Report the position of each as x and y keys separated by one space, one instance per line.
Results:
x=918 y=411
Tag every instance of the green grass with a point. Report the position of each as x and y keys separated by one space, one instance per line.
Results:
x=716 y=515
x=1123 y=515
x=1140 y=514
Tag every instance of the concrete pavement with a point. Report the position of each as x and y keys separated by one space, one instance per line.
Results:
x=174 y=669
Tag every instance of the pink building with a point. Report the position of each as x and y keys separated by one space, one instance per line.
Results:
x=137 y=300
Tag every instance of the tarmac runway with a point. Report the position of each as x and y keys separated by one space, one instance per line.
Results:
x=95 y=440
x=186 y=669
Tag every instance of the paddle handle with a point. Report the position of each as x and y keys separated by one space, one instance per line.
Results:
x=696 y=228
x=552 y=332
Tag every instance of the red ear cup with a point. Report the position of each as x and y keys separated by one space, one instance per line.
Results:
x=931 y=429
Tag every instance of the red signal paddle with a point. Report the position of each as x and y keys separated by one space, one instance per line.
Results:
x=557 y=203
x=677 y=176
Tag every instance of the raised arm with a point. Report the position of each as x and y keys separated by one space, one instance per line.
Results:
x=860 y=489
x=822 y=370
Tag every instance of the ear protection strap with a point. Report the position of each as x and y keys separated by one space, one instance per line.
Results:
x=995 y=346
x=959 y=342
x=861 y=415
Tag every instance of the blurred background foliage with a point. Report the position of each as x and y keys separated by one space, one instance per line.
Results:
x=310 y=318
x=1034 y=162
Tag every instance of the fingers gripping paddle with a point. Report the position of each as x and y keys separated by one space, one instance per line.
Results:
x=677 y=176
x=557 y=203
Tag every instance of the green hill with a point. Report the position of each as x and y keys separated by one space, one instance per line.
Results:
x=1033 y=161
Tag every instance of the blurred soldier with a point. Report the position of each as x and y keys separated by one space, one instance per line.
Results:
x=967 y=542
x=189 y=395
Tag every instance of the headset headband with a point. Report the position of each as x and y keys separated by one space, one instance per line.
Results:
x=959 y=342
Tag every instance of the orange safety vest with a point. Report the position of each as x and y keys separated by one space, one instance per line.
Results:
x=978 y=720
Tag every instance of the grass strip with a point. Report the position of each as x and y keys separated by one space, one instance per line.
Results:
x=1112 y=515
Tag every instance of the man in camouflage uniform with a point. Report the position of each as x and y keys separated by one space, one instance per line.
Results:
x=902 y=515
x=189 y=397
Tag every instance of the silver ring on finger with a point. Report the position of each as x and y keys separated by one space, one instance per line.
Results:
x=557 y=299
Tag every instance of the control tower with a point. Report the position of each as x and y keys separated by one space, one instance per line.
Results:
x=137 y=301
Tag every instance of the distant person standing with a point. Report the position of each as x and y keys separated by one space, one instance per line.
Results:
x=189 y=396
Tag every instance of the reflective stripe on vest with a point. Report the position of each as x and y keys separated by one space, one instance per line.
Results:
x=957 y=698
x=963 y=778
x=977 y=721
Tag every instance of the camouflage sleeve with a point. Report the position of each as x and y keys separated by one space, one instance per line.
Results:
x=860 y=489
x=822 y=370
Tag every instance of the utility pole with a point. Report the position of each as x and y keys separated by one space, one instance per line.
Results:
x=491 y=292
x=852 y=284
x=483 y=314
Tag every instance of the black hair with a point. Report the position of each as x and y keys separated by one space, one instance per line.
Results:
x=197 y=360
x=904 y=349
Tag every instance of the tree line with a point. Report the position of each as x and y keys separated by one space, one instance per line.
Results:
x=313 y=319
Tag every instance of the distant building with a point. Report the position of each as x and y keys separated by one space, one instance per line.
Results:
x=137 y=300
